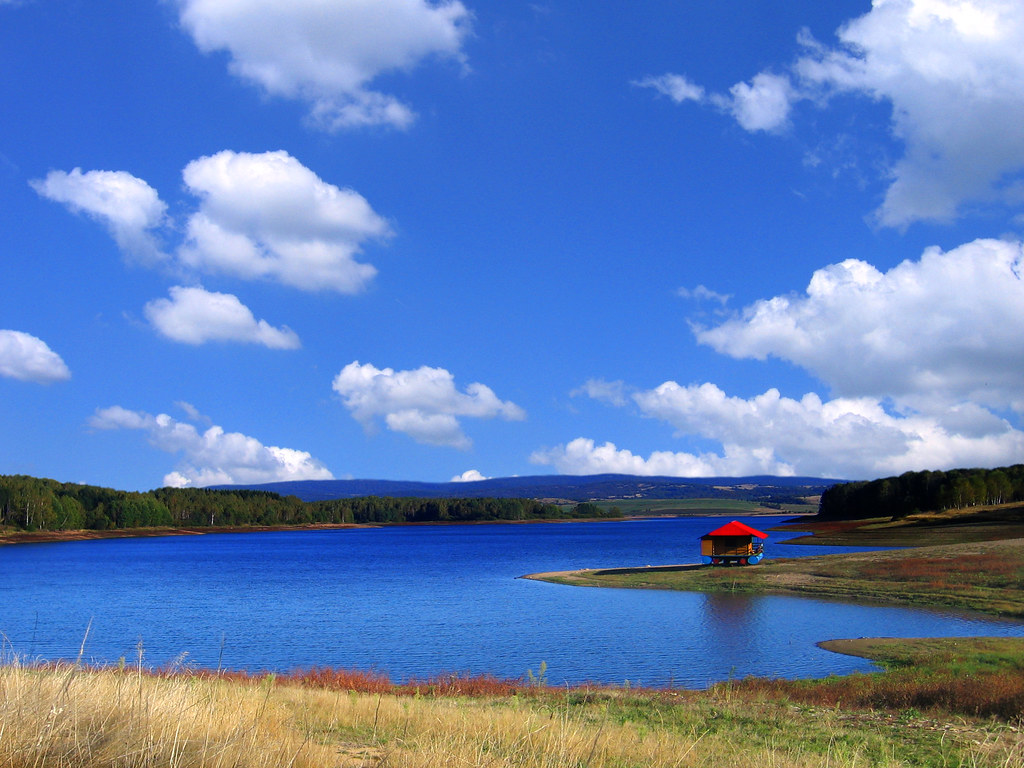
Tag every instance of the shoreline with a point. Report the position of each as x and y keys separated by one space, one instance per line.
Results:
x=55 y=537
x=87 y=534
x=972 y=576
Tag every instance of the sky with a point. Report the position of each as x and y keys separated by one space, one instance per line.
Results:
x=244 y=241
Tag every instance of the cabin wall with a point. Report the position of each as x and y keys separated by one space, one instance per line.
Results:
x=729 y=546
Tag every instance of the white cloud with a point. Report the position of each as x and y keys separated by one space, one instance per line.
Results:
x=422 y=403
x=268 y=216
x=192 y=412
x=943 y=330
x=27 y=358
x=924 y=363
x=771 y=434
x=126 y=205
x=612 y=392
x=213 y=457
x=703 y=293
x=469 y=476
x=763 y=105
x=328 y=54
x=583 y=457
x=952 y=72
x=196 y=316
x=429 y=428
x=260 y=217
x=676 y=87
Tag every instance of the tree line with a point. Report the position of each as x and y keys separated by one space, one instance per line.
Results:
x=37 y=504
x=923 y=492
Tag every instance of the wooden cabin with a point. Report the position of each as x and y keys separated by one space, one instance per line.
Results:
x=732 y=544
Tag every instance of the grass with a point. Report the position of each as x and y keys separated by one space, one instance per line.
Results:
x=969 y=677
x=69 y=716
x=985 y=576
x=951 y=526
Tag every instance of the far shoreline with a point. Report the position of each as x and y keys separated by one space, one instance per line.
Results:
x=86 y=534
x=8 y=537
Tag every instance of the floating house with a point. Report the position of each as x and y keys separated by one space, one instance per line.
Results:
x=732 y=544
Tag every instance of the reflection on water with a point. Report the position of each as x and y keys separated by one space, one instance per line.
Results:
x=732 y=622
x=418 y=601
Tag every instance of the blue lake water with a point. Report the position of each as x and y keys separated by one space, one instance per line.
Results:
x=424 y=600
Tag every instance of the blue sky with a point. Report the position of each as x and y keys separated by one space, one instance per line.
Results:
x=251 y=241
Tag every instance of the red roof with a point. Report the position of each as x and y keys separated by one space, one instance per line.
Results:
x=735 y=528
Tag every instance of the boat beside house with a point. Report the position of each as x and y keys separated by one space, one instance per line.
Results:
x=732 y=544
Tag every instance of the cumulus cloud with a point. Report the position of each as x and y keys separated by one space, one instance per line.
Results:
x=422 y=403
x=923 y=362
x=469 y=476
x=260 y=217
x=772 y=434
x=583 y=456
x=268 y=216
x=213 y=457
x=127 y=206
x=953 y=73
x=844 y=436
x=328 y=54
x=762 y=105
x=26 y=358
x=196 y=316
x=942 y=330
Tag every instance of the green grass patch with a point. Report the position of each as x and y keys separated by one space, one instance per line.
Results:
x=979 y=677
x=983 y=576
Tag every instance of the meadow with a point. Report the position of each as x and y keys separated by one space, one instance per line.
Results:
x=131 y=718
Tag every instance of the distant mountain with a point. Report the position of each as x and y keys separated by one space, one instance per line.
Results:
x=567 y=487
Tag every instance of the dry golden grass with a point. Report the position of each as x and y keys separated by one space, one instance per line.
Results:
x=68 y=717
x=125 y=719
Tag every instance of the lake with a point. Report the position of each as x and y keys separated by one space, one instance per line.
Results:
x=416 y=601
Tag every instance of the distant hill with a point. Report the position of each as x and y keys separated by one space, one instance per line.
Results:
x=564 y=487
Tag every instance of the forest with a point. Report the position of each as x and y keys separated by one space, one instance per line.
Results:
x=36 y=504
x=923 y=492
